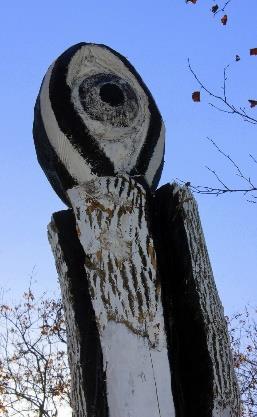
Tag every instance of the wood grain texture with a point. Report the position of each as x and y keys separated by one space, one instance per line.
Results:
x=159 y=339
x=121 y=275
x=120 y=256
x=204 y=378
x=84 y=349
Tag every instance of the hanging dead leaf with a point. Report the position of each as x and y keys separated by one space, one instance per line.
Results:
x=253 y=51
x=238 y=58
x=224 y=19
x=253 y=103
x=215 y=8
x=196 y=96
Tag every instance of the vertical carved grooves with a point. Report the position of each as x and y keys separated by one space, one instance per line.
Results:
x=120 y=257
x=204 y=382
x=78 y=300
x=185 y=328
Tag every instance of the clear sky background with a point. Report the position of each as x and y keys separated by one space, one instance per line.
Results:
x=157 y=37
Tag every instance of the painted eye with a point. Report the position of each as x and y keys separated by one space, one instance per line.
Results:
x=109 y=99
x=112 y=94
x=94 y=116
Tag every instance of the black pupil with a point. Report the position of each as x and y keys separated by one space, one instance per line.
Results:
x=111 y=94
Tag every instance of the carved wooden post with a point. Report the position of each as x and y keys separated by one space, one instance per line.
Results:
x=146 y=334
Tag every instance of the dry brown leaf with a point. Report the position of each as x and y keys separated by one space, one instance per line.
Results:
x=238 y=58
x=196 y=96
x=253 y=51
x=253 y=103
x=191 y=1
x=214 y=8
x=224 y=19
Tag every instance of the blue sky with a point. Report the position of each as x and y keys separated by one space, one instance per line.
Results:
x=157 y=37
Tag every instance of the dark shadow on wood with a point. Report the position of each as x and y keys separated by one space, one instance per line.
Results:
x=192 y=375
x=91 y=360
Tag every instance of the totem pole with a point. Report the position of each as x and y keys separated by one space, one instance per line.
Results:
x=146 y=330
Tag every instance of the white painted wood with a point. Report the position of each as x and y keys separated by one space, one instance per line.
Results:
x=120 y=268
x=120 y=264
x=110 y=216
x=126 y=295
x=138 y=376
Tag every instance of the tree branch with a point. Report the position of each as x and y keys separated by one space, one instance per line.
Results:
x=250 y=189
x=228 y=107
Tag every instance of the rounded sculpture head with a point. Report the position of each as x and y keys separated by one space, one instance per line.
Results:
x=95 y=117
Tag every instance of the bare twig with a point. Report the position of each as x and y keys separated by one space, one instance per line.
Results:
x=249 y=190
x=222 y=9
x=228 y=107
x=253 y=158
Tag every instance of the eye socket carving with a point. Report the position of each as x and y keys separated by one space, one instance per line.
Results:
x=112 y=94
x=109 y=99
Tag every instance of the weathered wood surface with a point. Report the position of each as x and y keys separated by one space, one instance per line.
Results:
x=136 y=326
x=116 y=269
x=121 y=273
x=204 y=378
x=88 y=379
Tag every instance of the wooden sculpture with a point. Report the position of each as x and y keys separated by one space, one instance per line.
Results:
x=146 y=330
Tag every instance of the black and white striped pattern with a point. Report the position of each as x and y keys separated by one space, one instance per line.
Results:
x=94 y=117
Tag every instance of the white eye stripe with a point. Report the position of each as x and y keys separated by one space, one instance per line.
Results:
x=75 y=164
x=156 y=158
x=122 y=145
x=95 y=59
